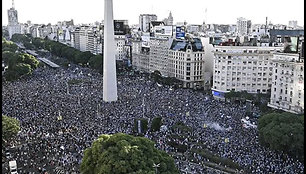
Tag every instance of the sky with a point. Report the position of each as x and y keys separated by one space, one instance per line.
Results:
x=191 y=11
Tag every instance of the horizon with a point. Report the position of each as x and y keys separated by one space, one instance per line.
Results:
x=125 y=10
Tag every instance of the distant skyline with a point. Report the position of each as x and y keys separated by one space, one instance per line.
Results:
x=191 y=11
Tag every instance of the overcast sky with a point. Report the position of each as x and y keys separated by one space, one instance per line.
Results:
x=192 y=11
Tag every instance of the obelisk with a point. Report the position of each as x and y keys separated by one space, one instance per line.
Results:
x=109 y=65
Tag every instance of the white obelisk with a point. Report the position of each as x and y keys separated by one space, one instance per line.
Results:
x=109 y=65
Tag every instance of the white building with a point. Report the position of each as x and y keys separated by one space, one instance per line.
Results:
x=158 y=59
x=86 y=38
x=293 y=24
x=120 y=42
x=287 y=92
x=242 y=68
x=13 y=25
x=244 y=26
x=145 y=20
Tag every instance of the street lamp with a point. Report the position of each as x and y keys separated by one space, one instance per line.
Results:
x=156 y=166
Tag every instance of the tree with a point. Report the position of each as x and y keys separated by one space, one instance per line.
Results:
x=283 y=132
x=143 y=125
x=96 y=62
x=31 y=60
x=125 y=154
x=7 y=55
x=156 y=124
x=20 y=38
x=10 y=128
x=156 y=75
x=23 y=69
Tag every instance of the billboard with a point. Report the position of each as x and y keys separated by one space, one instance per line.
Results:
x=291 y=44
x=180 y=32
x=119 y=28
x=163 y=30
x=145 y=41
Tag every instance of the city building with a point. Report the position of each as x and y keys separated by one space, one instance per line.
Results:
x=293 y=24
x=244 y=26
x=186 y=62
x=145 y=20
x=242 y=68
x=169 y=20
x=13 y=25
x=287 y=92
x=158 y=59
x=86 y=38
x=120 y=42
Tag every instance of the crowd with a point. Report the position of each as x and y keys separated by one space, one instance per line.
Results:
x=60 y=120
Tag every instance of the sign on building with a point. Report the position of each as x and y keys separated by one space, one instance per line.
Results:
x=163 y=30
x=120 y=28
x=180 y=32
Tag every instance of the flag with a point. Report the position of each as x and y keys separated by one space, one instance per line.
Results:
x=226 y=140
x=205 y=125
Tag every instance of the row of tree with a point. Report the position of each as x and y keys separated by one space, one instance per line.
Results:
x=61 y=50
x=260 y=100
x=283 y=132
x=18 y=64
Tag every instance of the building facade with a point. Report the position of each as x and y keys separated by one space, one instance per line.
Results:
x=13 y=25
x=244 y=26
x=86 y=38
x=145 y=20
x=158 y=59
x=242 y=68
x=287 y=92
x=186 y=62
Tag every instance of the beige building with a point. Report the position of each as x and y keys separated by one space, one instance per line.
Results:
x=242 y=68
x=186 y=62
x=287 y=92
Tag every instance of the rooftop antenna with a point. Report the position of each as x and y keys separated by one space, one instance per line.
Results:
x=205 y=15
x=13 y=5
x=266 y=25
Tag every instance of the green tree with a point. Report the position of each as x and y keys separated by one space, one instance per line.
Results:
x=7 y=55
x=20 y=38
x=125 y=154
x=8 y=46
x=96 y=62
x=156 y=124
x=10 y=128
x=31 y=60
x=23 y=69
x=143 y=123
x=283 y=132
x=156 y=75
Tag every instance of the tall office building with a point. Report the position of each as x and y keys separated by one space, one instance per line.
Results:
x=109 y=66
x=145 y=20
x=244 y=26
x=13 y=25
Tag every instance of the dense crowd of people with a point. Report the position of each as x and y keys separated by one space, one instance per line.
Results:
x=59 y=120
